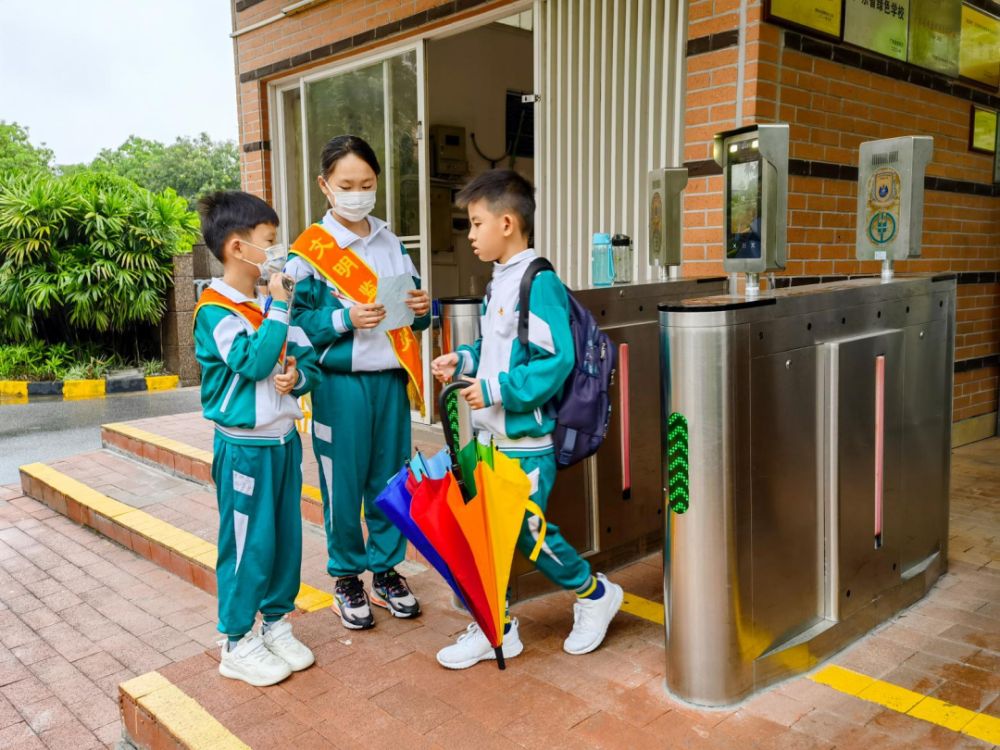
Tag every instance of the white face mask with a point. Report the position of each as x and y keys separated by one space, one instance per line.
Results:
x=352 y=206
x=275 y=258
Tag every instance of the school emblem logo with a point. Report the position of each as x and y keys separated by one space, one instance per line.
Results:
x=884 y=187
x=881 y=222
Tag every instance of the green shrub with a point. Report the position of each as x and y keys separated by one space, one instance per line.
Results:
x=86 y=253
x=153 y=367
x=39 y=361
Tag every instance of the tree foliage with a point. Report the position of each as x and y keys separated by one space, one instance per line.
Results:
x=190 y=166
x=18 y=154
x=84 y=253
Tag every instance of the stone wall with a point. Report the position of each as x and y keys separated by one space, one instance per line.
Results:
x=176 y=327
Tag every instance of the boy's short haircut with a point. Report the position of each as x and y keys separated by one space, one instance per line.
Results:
x=229 y=212
x=503 y=191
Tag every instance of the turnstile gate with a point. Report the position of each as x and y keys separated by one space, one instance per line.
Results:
x=806 y=451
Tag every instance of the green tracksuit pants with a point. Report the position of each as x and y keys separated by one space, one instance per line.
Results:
x=557 y=561
x=259 y=490
x=361 y=435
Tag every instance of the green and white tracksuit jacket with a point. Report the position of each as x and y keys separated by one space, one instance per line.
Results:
x=257 y=465
x=518 y=382
x=361 y=413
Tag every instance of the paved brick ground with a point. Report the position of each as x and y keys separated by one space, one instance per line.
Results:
x=78 y=614
x=183 y=503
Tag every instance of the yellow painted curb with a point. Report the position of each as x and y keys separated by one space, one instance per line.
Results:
x=16 y=388
x=76 y=390
x=985 y=728
x=179 y=714
x=891 y=696
x=842 y=679
x=644 y=608
x=917 y=705
x=314 y=494
x=162 y=382
x=182 y=543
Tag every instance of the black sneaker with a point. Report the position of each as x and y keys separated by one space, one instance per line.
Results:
x=389 y=590
x=350 y=601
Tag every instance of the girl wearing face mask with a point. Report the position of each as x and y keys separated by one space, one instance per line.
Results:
x=361 y=410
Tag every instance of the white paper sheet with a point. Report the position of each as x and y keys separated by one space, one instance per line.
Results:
x=393 y=294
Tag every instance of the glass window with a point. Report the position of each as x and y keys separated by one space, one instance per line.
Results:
x=291 y=150
x=405 y=175
x=348 y=103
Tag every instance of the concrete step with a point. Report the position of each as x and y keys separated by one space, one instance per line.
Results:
x=153 y=444
x=167 y=519
x=181 y=445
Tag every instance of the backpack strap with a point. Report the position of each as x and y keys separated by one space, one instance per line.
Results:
x=524 y=296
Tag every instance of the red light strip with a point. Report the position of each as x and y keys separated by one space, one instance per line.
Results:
x=879 y=442
x=623 y=411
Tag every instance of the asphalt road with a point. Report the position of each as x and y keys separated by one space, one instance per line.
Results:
x=48 y=428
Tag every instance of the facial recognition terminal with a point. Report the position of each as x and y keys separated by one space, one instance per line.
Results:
x=754 y=161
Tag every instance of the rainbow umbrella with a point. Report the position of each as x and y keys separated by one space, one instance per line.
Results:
x=394 y=501
x=476 y=534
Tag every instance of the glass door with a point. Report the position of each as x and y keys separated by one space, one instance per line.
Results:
x=380 y=98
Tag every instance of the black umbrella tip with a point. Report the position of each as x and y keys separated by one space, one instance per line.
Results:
x=499 y=653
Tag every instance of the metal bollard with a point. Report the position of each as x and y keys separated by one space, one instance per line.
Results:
x=460 y=327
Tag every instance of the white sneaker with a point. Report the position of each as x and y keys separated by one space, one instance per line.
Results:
x=591 y=618
x=251 y=662
x=473 y=647
x=278 y=639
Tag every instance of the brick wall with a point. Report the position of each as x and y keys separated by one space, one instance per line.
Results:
x=834 y=98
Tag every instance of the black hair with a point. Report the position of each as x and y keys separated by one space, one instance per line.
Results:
x=504 y=191
x=345 y=145
x=229 y=212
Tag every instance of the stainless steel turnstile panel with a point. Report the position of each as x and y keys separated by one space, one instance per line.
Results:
x=926 y=419
x=858 y=571
x=779 y=398
x=611 y=527
x=787 y=551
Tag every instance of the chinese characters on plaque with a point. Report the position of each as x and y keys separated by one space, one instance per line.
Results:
x=983 y=132
x=979 y=60
x=878 y=25
x=935 y=35
x=822 y=16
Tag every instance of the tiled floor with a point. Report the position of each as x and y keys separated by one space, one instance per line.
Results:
x=382 y=688
x=78 y=615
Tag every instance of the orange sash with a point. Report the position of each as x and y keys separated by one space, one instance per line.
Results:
x=249 y=311
x=355 y=280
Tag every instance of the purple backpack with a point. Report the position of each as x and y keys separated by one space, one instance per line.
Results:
x=583 y=411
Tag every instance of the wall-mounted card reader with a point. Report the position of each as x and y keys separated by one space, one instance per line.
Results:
x=666 y=187
x=891 y=199
x=754 y=162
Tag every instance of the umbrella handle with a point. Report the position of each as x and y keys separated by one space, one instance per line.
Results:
x=449 y=436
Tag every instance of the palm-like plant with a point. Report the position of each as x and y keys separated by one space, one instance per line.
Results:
x=87 y=252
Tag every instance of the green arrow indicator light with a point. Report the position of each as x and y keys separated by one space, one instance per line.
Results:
x=678 y=483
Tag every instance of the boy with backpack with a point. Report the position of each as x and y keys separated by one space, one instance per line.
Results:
x=513 y=385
